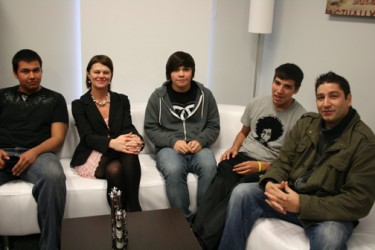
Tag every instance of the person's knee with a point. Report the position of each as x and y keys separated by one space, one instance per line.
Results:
x=113 y=169
x=170 y=165
x=225 y=168
x=167 y=154
x=52 y=170
x=55 y=177
x=171 y=171
x=207 y=171
x=205 y=163
x=205 y=156
x=245 y=189
x=332 y=235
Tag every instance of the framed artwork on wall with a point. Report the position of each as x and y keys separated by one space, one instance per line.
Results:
x=351 y=7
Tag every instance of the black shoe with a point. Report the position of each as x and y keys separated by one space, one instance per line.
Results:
x=200 y=241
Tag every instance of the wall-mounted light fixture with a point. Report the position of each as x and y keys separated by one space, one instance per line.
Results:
x=260 y=22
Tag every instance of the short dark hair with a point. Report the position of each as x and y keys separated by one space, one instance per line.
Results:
x=290 y=71
x=26 y=55
x=103 y=59
x=177 y=60
x=332 y=77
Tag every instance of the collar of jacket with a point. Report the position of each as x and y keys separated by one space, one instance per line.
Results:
x=343 y=140
x=336 y=131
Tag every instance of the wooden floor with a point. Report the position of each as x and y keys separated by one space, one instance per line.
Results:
x=28 y=242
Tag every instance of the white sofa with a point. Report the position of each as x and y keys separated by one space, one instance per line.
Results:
x=86 y=197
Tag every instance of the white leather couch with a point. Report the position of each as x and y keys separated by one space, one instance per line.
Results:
x=86 y=197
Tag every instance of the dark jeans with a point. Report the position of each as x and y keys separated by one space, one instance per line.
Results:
x=210 y=218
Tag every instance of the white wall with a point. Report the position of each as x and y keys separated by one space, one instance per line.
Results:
x=139 y=36
x=233 y=52
x=51 y=30
x=318 y=43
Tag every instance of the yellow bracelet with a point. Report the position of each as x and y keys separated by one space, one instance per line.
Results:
x=260 y=166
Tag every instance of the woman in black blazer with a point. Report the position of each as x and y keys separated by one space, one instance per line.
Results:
x=109 y=143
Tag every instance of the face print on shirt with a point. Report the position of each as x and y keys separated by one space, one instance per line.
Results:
x=268 y=128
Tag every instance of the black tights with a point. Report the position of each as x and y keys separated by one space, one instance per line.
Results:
x=122 y=171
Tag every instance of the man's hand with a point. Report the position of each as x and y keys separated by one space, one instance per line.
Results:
x=194 y=146
x=26 y=160
x=3 y=155
x=233 y=151
x=183 y=147
x=281 y=197
x=229 y=153
x=246 y=167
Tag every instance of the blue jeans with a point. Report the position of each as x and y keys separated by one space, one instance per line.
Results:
x=49 y=192
x=175 y=168
x=247 y=204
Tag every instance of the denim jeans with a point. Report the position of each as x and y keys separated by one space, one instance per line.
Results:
x=247 y=204
x=49 y=191
x=175 y=167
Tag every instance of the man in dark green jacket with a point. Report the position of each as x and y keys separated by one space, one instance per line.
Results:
x=322 y=179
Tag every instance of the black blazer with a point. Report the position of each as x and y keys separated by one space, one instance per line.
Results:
x=92 y=129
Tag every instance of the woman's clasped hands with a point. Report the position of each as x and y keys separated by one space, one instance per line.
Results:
x=127 y=143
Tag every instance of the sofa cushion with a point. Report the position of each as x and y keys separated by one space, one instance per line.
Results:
x=270 y=234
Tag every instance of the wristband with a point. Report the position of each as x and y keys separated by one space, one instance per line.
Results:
x=260 y=166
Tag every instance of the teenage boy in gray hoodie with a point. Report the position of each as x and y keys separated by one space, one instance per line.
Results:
x=182 y=121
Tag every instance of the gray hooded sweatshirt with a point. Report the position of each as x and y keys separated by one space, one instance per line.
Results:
x=164 y=127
